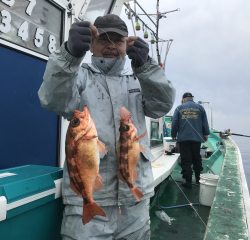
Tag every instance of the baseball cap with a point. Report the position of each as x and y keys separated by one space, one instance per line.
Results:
x=187 y=94
x=111 y=23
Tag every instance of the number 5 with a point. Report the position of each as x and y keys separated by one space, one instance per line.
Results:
x=39 y=37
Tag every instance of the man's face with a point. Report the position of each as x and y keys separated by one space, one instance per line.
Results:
x=103 y=47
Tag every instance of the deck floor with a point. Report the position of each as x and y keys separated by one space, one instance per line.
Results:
x=187 y=225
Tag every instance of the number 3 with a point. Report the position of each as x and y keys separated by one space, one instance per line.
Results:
x=5 y=27
x=52 y=43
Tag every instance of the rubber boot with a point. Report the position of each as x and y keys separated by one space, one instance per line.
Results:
x=197 y=177
x=188 y=183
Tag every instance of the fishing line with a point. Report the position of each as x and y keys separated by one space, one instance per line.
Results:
x=192 y=206
x=137 y=126
x=169 y=97
x=156 y=81
x=164 y=103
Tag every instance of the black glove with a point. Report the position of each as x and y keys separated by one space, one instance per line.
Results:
x=79 y=38
x=138 y=53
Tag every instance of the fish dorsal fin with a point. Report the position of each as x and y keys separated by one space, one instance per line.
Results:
x=120 y=177
x=118 y=148
x=142 y=149
x=142 y=135
x=101 y=147
x=73 y=187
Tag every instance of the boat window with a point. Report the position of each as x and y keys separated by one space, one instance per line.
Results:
x=155 y=139
x=97 y=8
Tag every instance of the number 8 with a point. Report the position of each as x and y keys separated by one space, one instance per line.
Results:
x=52 y=43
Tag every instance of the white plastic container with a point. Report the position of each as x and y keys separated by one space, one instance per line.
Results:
x=168 y=143
x=203 y=152
x=208 y=184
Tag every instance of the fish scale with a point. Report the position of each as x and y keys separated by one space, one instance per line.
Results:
x=128 y=150
x=82 y=157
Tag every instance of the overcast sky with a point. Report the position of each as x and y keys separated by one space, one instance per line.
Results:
x=210 y=54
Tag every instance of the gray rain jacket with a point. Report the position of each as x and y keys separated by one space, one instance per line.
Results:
x=104 y=86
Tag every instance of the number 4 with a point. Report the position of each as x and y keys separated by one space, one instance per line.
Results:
x=23 y=31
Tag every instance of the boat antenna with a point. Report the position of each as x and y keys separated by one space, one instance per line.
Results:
x=158 y=16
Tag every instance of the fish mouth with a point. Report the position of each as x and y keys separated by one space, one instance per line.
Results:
x=124 y=114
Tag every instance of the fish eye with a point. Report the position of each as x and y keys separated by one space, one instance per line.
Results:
x=126 y=128
x=74 y=122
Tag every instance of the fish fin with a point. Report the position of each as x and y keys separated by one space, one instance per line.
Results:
x=120 y=177
x=137 y=193
x=90 y=210
x=97 y=185
x=73 y=187
x=135 y=175
x=142 y=149
x=90 y=137
x=118 y=148
x=101 y=146
x=142 y=135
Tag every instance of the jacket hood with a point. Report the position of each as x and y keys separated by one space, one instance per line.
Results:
x=109 y=66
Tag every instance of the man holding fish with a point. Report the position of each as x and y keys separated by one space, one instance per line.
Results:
x=107 y=195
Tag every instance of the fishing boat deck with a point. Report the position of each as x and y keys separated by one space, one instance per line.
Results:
x=187 y=224
x=226 y=219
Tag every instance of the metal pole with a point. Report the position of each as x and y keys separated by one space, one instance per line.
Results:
x=152 y=50
x=212 y=116
x=161 y=46
x=157 y=29
x=168 y=47
x=140 y=19
x=144 y=12
x=211 y=170
x=178 y=9
x=164 y=63
x=131 y=19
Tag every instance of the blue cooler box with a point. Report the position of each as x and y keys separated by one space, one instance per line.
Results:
x=31 y=205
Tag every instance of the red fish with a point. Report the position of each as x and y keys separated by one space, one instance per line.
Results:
x=128 y=150
x=82 y=156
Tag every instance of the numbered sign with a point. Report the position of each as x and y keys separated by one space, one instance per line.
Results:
x=32 y=24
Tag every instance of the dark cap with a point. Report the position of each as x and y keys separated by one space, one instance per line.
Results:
x=111 y=23
x=187 y=94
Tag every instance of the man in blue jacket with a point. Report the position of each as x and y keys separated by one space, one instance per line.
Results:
x=190 y=122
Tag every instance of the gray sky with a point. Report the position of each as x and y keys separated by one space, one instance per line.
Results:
x=210 y=55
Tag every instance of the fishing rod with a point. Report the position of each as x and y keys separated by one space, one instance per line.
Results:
x=228 y=133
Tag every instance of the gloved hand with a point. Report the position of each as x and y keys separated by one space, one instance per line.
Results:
x=137 y=51
x=80 y=38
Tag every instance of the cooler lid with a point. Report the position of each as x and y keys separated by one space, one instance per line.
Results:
x=26 y=184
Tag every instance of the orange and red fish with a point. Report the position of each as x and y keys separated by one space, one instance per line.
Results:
x=82 y=156
x=128 y=150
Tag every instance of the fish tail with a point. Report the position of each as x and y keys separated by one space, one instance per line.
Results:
x=90 y=210
x=137 y=193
